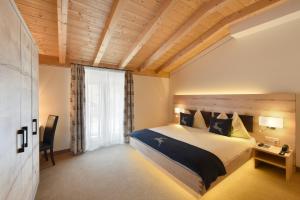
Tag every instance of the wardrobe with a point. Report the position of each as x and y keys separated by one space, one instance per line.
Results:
x=19 y=137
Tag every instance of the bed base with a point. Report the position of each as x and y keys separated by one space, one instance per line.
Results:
x=183 y=176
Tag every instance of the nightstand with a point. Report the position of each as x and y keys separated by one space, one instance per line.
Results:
x=271 y=156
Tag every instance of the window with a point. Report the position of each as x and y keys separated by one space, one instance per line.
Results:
x=104 y=107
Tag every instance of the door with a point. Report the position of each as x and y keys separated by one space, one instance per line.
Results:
x=35 y=118
x=26 y=121
x=10 y=90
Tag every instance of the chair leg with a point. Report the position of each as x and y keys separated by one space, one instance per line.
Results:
x=46 y=155
x=52 y=157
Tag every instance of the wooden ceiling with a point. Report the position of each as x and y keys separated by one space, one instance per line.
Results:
x=151 y=37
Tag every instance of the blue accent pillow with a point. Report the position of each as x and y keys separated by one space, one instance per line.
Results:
x=220 y=126
x=246 y=119
x=186 y=119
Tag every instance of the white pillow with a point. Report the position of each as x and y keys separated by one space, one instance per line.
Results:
x=199 y=120
x=222 y=116
x=238 y=128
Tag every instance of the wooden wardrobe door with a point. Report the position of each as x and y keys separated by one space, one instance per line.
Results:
x=26 y=114
x=9 y=124
x=35 y=116
x=10 y=98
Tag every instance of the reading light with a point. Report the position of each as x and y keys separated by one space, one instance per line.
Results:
x=178 y=110
x=271 y=122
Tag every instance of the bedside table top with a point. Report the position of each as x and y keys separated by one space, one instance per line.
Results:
x=272 y=150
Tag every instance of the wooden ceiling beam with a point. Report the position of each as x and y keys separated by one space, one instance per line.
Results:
x=151 y=28
x=62 y=19
x=217 y=28
x=106 y=34
x=203 y=11
x=152 y=73
x=51 y=60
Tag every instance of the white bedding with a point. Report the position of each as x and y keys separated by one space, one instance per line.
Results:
x=225 y=148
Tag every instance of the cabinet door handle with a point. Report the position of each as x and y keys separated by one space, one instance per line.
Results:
x=25 y=129
x=20 y=146
x=34 y=126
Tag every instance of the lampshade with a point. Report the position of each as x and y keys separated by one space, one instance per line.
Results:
x=271 y=122
x=178 y=110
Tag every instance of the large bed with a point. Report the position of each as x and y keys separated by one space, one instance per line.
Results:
x=233 y=152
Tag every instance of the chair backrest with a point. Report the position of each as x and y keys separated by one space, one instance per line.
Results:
x=50 y=128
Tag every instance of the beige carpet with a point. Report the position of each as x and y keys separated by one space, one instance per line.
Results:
x=121 y=173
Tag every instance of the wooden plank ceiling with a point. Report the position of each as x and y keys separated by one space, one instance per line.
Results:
x=152 y=37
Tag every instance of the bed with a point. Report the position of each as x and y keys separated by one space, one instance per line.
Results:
x=232 y=152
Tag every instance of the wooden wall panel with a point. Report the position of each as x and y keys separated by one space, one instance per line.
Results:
x=275 y=105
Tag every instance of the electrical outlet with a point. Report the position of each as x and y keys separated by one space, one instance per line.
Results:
x=272 y=140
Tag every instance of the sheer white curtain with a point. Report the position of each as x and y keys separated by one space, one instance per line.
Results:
x=104 y=107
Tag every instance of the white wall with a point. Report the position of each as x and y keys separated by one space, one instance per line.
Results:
x=151 y=101
x=54 y=95
x=265 y=62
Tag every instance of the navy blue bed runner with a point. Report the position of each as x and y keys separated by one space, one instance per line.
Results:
x=207 y=165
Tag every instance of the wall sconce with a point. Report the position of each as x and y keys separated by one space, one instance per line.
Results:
x=178 y=110
x=271 y=122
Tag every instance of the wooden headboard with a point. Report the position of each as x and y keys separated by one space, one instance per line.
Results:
x=275 y=105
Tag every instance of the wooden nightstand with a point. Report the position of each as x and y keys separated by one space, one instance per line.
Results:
x=270 y=155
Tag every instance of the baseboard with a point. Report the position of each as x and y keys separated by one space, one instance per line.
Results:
x=62 y=151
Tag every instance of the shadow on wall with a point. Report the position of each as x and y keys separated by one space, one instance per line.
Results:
x=151 y=101
x=54 y=96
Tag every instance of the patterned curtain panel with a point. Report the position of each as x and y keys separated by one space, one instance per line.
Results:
x=128 y=106
x=77 y=115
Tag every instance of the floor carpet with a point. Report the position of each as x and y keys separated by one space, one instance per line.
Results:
x=121 y=173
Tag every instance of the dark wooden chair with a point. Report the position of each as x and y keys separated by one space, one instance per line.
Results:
x=48 y=138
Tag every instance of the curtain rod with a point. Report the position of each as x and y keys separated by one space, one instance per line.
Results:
x=102 y=67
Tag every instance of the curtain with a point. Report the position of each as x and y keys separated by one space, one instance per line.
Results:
x=129 y=106
x=77 y=115
x=104 y=107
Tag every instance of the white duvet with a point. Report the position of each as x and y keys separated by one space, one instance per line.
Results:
x=226 y=148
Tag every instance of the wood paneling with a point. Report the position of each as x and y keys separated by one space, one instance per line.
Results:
x=148 y=32
x=275 y=105
x=111 y=22
x=86 y=22
x=199 y=15
x=135 y=17
x=183 y=11
x=152 y=35
x=219 y=28
x=41 y=18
